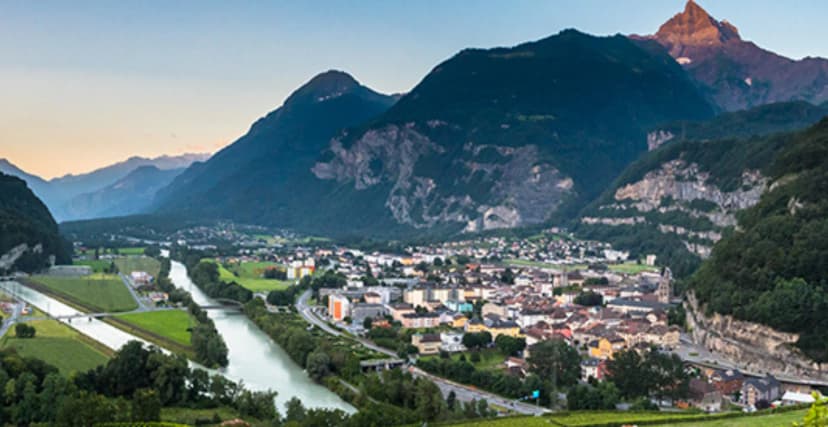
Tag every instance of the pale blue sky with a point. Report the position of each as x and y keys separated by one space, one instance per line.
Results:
x=86 y=83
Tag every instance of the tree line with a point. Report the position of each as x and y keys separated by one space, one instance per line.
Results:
x=132 y=386
x=208 y=345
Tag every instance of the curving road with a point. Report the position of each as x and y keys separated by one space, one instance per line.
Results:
x=463 y=392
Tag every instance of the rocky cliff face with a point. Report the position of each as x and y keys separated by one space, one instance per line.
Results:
x=736 y=73
x=753 y=347
x=487 y=186
x=681 y=187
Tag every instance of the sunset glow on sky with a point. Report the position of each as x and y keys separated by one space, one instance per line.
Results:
x=89 y=83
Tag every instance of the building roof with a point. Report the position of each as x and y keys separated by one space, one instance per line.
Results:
x=426 y=338
x=763 y=384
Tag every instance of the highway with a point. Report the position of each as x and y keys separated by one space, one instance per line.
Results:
x=464 y=393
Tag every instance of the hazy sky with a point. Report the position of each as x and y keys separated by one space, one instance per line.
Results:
x=87 y=83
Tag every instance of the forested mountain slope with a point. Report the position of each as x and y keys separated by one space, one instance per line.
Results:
x=773 y=268
x=679 y=199
x=24 y=219
x=508 y=137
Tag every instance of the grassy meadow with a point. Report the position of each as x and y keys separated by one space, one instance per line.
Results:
x=129 y=264
x=97 y=292
x=671 y=419
x=170 y=324
x=249 y=275
x=59 y=345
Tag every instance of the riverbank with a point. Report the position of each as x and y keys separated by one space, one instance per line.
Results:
x=255 y=358
x=130 y=328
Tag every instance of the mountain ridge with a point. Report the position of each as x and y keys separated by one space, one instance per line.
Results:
x=735 y=73
x=485 y=114
x=58 y=193
x=25 y=220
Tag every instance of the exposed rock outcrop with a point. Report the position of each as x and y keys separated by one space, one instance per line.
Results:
x=506 y=187
x=682 y=182
x=753 y=347
x=679 y=187
x=658 y=137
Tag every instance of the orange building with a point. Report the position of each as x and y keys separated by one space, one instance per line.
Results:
x=339 y=307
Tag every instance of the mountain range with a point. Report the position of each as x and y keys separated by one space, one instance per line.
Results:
x=72 y=197
x=735 y=73
x=490 y=138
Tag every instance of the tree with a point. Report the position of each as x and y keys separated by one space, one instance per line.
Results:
x=508 y=276
x=429 y=400
x=23 y=330
x=294 y=410
x=451 y=399
x=589 y=299
x=655 y=373
x=585 y=397
x=509 y=346
x=476 y=340
x=625 y=371
x=555 y=361
x=152 y=251
x=257 y=404
x=318 y=364
x=146 y=406
x=817 y=415
x=199 y=385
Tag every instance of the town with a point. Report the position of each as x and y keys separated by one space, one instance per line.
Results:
x=489 y=300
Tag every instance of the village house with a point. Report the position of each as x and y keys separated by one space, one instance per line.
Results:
x=705 y=396
x=474 y=326
x=593 y=368
x=397 y=311
x=426 y=343
x=420 y=320
x=756 y=389
x=452 y=342
x=727 y=381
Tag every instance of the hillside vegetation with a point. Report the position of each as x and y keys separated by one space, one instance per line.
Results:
x=685 y=194
x=25 y=219
x=773 y=268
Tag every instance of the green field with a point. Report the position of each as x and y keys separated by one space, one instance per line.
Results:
x=490 y=359
x=631 y=268
x=131 y=251
x=538 y=264
x=98 y=265
x=59 y=345
x=691 y=419
x=784 y=419
x=129 y=264
x=248 y=275
x=171 y=324
x=192 y=416
x=98 y=292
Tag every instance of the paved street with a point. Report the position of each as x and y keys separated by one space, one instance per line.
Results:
x=138 y=300
x=698 y=354
x=464 y=393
